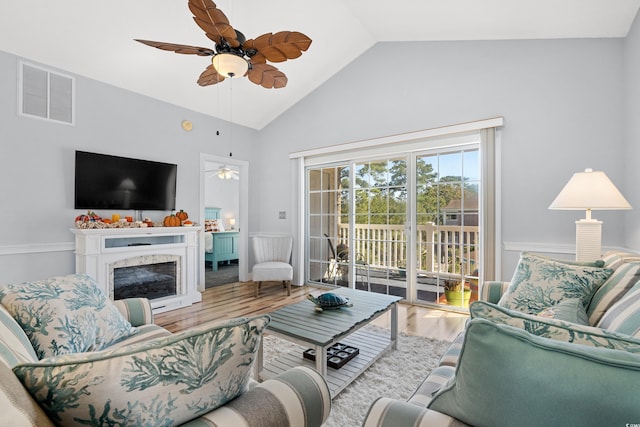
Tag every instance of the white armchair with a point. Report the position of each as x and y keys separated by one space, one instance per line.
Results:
x=272 y=261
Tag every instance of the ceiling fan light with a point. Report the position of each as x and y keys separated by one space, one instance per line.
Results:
x=230 y=65
x=226 y=172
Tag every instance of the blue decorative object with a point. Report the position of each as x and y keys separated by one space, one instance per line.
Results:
x=329 y=301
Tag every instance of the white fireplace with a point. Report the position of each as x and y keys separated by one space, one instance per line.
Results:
x=159 y=263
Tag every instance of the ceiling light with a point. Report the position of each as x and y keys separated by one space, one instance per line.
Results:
x=230 y=65
x=225 y=172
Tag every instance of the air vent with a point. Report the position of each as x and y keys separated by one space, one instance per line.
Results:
x=46 y=94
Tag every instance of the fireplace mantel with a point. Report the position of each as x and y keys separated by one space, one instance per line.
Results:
x=98 y=250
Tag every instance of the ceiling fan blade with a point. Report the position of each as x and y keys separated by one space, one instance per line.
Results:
x=278 y=47
x=179 y=48
x=213 y=21
x=210 y=77
x=267 y=76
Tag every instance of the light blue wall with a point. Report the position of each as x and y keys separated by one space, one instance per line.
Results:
x=37 y=164
x=567 y=105
x=561 y=101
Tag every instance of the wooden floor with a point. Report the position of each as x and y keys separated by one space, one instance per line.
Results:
x=237 y=300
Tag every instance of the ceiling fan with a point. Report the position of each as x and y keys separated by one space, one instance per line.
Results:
x=225 y=172
x=234 y=55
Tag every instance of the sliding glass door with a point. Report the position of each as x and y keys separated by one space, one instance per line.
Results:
x=379 y=216
x=447 y=194
x=405 y=224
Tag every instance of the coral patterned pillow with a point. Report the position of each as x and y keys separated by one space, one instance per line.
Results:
x=66 y=314
x=164 y=381
x=540 y=282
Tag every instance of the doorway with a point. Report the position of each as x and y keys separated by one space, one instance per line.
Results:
x=229 y=198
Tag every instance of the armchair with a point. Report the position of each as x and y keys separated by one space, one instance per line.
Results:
x=272 y=261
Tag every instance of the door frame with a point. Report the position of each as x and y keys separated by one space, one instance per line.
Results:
x=243 y=223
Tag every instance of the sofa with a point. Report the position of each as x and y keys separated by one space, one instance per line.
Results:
x=557 y=345
x=70 y=356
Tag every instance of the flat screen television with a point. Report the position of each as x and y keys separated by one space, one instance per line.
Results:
x=120 y=183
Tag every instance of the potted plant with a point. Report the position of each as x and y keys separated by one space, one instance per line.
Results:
x=457 y=292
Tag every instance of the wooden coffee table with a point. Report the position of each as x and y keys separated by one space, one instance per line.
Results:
x=302 y=324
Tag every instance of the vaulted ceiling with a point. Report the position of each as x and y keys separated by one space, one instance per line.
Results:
x=95 y=39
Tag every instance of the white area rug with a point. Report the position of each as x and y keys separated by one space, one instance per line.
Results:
x=396 y=374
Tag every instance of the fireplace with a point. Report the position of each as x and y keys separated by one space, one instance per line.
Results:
x=150 y=276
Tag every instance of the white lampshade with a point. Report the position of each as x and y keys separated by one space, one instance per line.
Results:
x=230 y=65
x=589 y=190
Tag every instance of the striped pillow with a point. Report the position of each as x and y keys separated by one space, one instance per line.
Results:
x=624 y=316
x=15 y=347
x=618 y=284
x=296 y=397
x=136 y=310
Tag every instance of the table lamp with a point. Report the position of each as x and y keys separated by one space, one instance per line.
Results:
x=589 y=190
x=232 y=223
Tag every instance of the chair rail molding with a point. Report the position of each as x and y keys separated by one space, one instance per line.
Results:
x=37 y=248
x=554 y=248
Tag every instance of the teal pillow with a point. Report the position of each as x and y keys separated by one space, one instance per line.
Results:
x=67 y=314
x=568 y=310
x=540 y=282
x=553 y=328
x=508 y=377
x=165 y=381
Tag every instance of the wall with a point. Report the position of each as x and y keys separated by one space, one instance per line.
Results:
x=37 y=163
x=632 y=133
x=561 y=101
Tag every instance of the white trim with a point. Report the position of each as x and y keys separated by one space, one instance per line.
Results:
x=37 y=248
x=555 y=248
x=404 y=137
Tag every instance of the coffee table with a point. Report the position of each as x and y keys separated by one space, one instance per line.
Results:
x=302 y=324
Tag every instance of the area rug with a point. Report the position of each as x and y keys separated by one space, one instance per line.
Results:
x=396 y=374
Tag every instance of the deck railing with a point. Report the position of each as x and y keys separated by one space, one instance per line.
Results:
x=442 y=248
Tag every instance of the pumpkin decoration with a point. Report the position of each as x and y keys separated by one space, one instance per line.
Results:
x=89 y=216
x=171 y=221
x=182 y=215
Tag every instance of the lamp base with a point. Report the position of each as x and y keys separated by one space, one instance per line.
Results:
x=588 y=240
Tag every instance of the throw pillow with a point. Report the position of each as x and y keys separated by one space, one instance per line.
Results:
x=540 y=282
x=165 y=381
x=554 y=329
x=569 y=310
x=214 y=225
x=67 y=314
x=623 y=278
x=597 y=263
x=624 y=316
x=508 y=377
